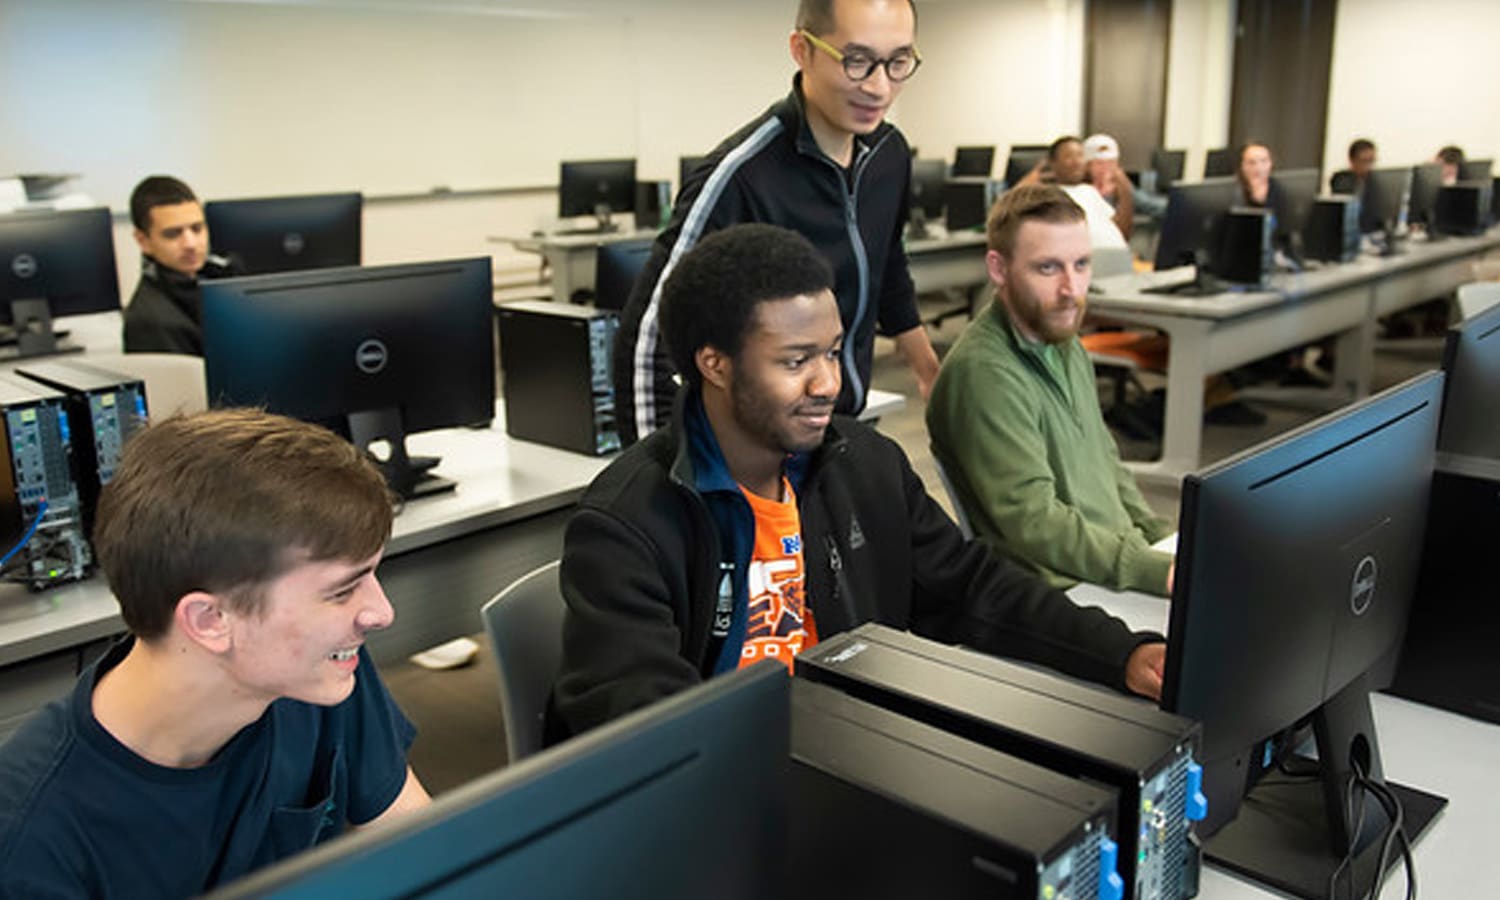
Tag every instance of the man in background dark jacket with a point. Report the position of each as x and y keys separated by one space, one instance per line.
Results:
x=165 y=314
x=758 y=521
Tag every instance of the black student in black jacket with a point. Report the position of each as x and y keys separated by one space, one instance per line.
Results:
x=654 y=567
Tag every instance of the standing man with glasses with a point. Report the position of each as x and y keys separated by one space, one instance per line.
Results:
x=822 y=162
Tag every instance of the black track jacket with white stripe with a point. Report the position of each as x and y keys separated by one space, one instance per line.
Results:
x=772 y=171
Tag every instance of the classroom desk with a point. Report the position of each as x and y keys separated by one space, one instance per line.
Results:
x=1217 y=333
x=938 y=263
x=1421 y=746
x=448 y=554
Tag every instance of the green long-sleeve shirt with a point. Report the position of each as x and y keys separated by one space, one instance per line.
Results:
x=1017 y=427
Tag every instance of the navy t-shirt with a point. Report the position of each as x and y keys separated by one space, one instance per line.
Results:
x=81 y=815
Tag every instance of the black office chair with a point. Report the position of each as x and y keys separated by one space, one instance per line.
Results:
x=616 y=267
x=524 y=623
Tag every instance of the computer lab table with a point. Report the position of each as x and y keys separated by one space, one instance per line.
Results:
x=1422 y=746
x=448 y=554
x=941 y=262
x=1219 y=332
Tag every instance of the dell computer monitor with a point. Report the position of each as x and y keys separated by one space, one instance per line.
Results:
x=1299 y=188
x=1192 y=225
x=1169 y=166
x=1475 y=169
x=55 y=263
x=596 y=188
x=1219 y=162
x=686 y=798
x=1426 y=181
x=1471 y=357
x=617 y=265
x=374 y=353
x=1296 y=565
x=978 y=161
x=925 y=194
x=1023 y=158
x=1383 y=199
x=287 y=234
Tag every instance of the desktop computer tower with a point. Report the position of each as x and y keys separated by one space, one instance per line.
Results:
x=1246 y=250
x=39 y=497
x=1332 y=230
x=1463 y=208
x=653 y=203
x=1077 y=730
x=104 y=409
x=886 y=806
x=1448 y=659
x=556 y=363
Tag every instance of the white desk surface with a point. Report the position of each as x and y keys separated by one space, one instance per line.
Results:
x=1421 y=746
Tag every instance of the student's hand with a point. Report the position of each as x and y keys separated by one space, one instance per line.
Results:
x=1144 y=669
x=1171 y=577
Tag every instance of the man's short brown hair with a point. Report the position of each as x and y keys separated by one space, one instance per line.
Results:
x=816 y=16
x=227 y=501
x=1028 y=202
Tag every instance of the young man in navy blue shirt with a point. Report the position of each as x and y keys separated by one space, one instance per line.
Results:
x=241 y=721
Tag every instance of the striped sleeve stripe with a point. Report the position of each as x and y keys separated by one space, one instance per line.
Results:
x=643 y=356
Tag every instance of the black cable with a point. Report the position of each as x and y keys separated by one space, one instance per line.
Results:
x=1358 y=818
x=1397 y=834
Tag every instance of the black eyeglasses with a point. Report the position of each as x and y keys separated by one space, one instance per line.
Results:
x=858 y=66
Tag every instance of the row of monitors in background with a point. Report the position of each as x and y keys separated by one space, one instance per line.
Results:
x=1334 y=512
x=62 y=263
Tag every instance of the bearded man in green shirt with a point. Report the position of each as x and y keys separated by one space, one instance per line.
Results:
x=1015 y=420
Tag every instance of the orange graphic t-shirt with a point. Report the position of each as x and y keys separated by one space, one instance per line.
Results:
x=780 y=623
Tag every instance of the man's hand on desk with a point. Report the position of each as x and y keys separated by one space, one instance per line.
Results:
x=1144 y=669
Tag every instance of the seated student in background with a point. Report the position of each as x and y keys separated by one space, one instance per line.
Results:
x=757 y=521
x=1452 y=160
x=1355 y=180
x=241 y=721
x=1257 y=189
x=1101 y=154
x=1015 y=419
x=1067 y=167
x=165 y=312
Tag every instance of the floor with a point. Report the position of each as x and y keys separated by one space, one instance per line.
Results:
x=457 y=712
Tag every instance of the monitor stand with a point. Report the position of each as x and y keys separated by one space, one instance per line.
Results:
x=31 y=333
x=1289 y=826
x=406 y=475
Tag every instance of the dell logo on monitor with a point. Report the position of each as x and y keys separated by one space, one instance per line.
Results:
x=293 y=243
x=1362 y=590
x=24 y=265
x=371 y=356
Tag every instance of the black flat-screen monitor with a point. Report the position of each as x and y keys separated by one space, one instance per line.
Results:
x=1221 y=161
x=1191 y=228
x=1296 y=565
x=1426 y=181
x=973 y=161
x=55 y=263
x=1382 y=200
x=1299 y=188
x=287 y=234
x=925 y=195
x=1169 y=166
x=1475 y=169
x=616 y=267
x=966 y=203
x=1471 y=357
x=1023 y=158
x=686 y=166
x=686 y=798
x=375 y=353
x=596 y=188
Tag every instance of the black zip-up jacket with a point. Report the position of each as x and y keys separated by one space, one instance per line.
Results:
x=165 y=314
x=646 y=553
x=771 y=171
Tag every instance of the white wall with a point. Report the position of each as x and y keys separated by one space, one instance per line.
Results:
x=1413 y=77
x=997 y=73
x=1200 y=75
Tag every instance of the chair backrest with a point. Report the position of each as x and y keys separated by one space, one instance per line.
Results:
x=524 y=623
x=959 y=516
x=1476 y=297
